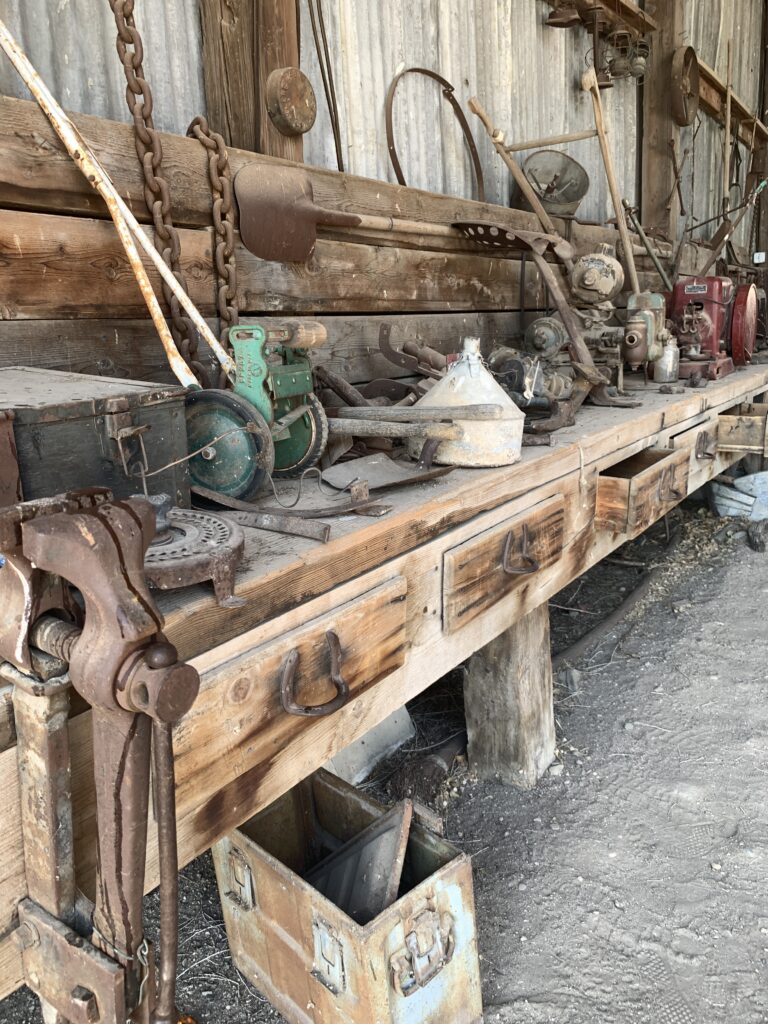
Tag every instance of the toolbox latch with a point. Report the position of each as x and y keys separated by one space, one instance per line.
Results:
x=127 y=436
x=241 y=889
x=428 y=948
x=328 y=963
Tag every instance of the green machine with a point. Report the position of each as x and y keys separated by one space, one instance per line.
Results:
x=270 y=424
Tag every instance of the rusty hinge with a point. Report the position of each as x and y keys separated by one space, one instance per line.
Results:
x=429 y=946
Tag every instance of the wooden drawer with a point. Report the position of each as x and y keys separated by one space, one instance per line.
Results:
x=744 y=429
x=637 y=491
x=371 y=643
x=484 y=569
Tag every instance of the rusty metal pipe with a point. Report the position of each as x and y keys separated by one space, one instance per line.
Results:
x=165 y=807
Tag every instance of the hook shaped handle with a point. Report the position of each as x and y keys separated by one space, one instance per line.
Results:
x=288 y=683
x=527 y=565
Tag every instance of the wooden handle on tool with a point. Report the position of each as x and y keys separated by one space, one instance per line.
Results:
x=304 y=333
x=425 y=414
x=589 y=84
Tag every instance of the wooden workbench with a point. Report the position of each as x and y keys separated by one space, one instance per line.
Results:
x=411 y=595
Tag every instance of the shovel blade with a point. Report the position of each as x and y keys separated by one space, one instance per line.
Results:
x=278 y=217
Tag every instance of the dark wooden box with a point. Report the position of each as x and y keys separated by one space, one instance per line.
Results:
x=74 y=430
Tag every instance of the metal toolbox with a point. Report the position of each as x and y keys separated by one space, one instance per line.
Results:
x=73 y=430
x=415 y=963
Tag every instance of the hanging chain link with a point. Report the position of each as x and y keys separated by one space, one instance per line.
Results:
x=149 y=148
x=220 y=176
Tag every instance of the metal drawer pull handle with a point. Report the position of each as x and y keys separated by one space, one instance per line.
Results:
x=703 y=441
x=669 y=493
x=528 y=563
x=288 y=682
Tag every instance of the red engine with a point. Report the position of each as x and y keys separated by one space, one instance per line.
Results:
x=715 y=323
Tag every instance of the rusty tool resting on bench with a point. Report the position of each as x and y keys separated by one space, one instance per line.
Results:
x=121 y=664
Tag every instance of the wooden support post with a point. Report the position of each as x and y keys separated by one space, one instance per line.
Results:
x=658 y=180
x=230 y=69
x=276 y=46
x=509 y=703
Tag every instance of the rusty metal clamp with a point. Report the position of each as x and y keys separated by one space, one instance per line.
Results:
x=667 y=492
x=288 y=683
x=449 y=93
x=528 y=565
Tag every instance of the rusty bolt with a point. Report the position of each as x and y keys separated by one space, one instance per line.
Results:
x=158 y=685
x=27 y=935
x=85 y=1007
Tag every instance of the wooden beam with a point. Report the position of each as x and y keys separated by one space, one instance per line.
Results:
x=229 y=69
x=509 y=704
x=74 y=268
x=712 y=94
x=276 y=46
x=616 y=13
x=659 y=129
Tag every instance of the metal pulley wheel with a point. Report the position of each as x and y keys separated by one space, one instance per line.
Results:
x=685 y=86
x=236 y=454
x=192 y=547
x=306 y=441
x=744 y=324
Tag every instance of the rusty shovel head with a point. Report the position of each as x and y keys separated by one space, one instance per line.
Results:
x=278 y=214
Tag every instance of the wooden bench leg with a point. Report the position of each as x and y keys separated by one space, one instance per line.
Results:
x=509 y=703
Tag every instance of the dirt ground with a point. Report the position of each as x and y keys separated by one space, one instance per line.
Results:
x=629 y=886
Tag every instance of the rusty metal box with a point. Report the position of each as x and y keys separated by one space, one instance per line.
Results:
x=74 y=430
x=416 y=963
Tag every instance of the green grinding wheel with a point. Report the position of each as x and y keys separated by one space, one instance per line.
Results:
x=307 y=442
x=237 y=464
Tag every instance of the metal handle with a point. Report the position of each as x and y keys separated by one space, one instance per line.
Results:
x=702 y=444
x=288 y=683
x=529 y=563
x=669 y=493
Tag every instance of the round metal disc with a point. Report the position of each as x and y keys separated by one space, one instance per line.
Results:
x=238 y=453
x=306 y=443
x=685 y=86
x=744 y=324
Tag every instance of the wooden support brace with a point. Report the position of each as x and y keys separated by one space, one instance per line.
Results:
x=509 y=703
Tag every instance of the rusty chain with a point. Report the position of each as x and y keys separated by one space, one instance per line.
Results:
x=149 y=148
x=220 y=176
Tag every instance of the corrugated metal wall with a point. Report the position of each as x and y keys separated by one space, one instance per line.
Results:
x=525 y=74
x=709 y=26
x=78 y=60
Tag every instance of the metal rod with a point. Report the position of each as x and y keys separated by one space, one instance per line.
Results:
x=648 y=247
x=89 y=165
x=552 y=140
x=727 y=139
x=168 y=858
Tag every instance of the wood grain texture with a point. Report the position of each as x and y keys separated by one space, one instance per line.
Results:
x=744 y=430
x=58 y=267
x=275 y=45
x=229 y=69
x=474 y=578
x=509 y=703
x=637 y=491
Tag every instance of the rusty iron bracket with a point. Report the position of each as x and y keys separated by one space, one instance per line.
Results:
x=288 y=683
x=78 y=981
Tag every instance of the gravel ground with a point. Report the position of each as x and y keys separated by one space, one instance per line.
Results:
x=629 y=886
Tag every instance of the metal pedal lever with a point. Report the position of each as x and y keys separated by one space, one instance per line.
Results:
x=122 y=665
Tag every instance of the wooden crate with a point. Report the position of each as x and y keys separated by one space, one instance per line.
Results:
x=416 y=963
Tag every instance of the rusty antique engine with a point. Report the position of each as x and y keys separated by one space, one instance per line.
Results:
x=715 y=323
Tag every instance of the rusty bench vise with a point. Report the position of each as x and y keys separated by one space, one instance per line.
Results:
x=97 y=971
